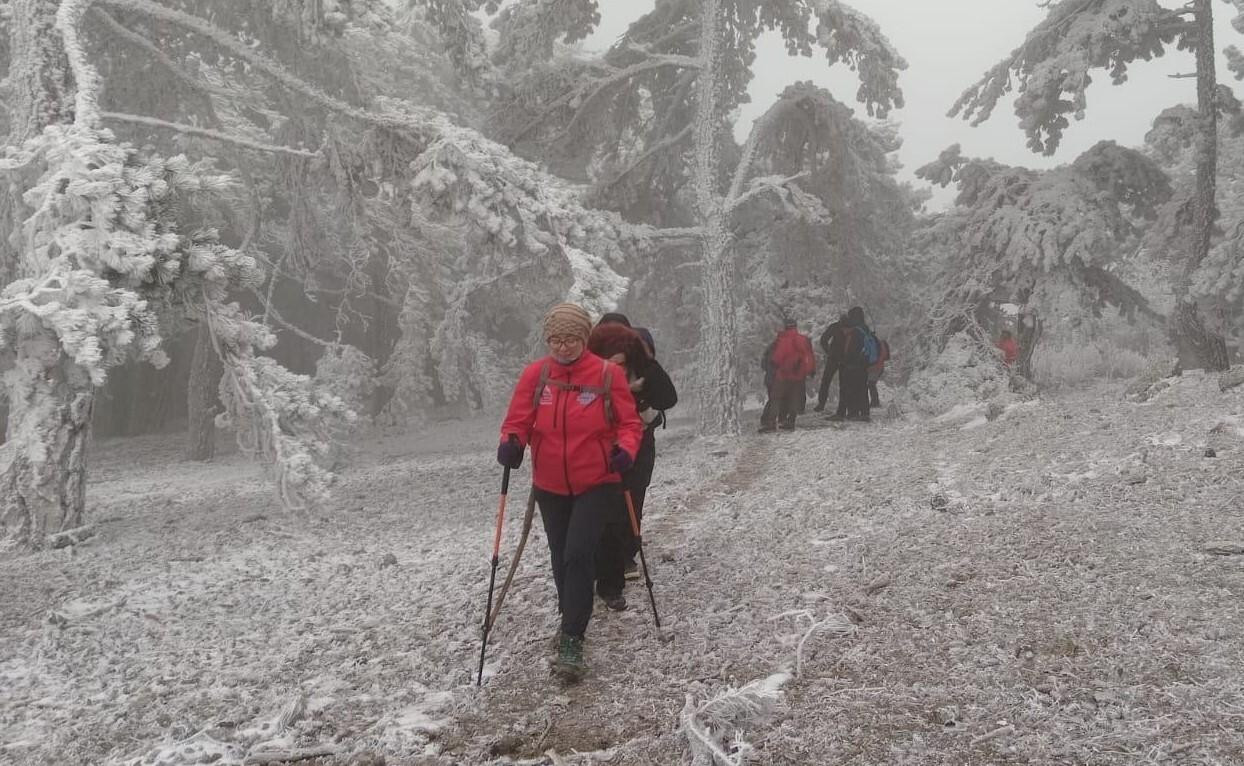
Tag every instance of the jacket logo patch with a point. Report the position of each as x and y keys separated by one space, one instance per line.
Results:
x=546 y=396
x=586 y=398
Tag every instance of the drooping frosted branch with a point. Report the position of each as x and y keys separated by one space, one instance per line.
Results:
x=854 y=39
x=264 y=64
x=214 y=135
x=1051 y=70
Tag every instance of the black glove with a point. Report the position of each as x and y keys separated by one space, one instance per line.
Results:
x=620 y=461
x=510 y=453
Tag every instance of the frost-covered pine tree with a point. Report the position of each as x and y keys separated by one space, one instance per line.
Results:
x=1008 y=235
x=649 y=121
x=99 y=272
x=1051 y=73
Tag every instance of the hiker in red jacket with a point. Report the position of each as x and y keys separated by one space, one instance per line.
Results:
x=1009 y=348
x=577 y=413
x=791 y=362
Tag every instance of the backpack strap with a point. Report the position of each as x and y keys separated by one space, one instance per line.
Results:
x=606 y=394
x=543 y=384
x=604 y=391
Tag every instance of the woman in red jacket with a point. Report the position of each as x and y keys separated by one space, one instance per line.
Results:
x=577 y=413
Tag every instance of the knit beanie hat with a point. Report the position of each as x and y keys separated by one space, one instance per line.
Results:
x=567 y=319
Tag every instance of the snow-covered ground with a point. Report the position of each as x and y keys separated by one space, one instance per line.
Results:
x=1048 y=586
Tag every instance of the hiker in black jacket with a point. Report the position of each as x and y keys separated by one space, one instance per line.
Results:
x=831 y=344
x=654 y=392
x=853 y=400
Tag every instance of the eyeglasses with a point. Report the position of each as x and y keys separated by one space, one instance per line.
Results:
x=564 y=340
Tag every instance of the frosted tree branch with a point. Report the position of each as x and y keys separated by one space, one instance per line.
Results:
x=598 y=86
x=762 y=185
x=86 y=100
x=215 y=135
x=130 y=36
x=661 y=146
x=670 y=59
x=748 y=157
x=265 y=64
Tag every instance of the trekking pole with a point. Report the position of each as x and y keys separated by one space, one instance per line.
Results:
x=492 y=580
x=518 y=555
x=639 y=541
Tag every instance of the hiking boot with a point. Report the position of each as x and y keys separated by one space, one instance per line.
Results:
x=836 y=418
x=616 y=603
x=787 y=427
x=767 y=429
x=569 y=663
x=631 y=571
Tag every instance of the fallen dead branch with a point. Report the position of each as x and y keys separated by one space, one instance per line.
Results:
x=70 y=537
x=1225 y=549
x=707 y=725
x=267 y=757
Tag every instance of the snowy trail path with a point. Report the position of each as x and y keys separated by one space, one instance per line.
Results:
x=1032 y=590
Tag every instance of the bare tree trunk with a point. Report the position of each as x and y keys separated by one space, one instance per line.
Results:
x=42 y=90
x=719 y=383
x=205 y=371
x=1028 y=335
x=1198 y=345
x=43 y=462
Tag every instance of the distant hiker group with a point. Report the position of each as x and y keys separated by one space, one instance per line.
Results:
x=588 y=411
x=852 y=352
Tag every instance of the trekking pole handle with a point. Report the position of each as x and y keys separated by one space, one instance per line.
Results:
x=630 y=509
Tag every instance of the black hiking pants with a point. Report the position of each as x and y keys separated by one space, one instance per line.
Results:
x=574 y=525
x=827 y=377
x=789 y=394
x=618 y=546
x=854 y=390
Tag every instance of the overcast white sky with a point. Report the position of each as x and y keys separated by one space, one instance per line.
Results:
x=948 y=45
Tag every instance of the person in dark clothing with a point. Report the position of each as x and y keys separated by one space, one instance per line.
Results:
x=831 y=344
x=614 y=317
x=855 y=368
x=853 y=401
x=792 y=361
x=654 y=393
x=768 y=416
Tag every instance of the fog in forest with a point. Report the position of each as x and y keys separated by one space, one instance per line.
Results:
x=891 y=348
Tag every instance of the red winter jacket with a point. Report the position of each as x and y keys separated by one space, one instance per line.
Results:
x=792 y=358
x=569 y=434
x=1010 y=350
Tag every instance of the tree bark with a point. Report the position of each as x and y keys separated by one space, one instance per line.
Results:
x=42 y=89
x=43 y=461
x=205 y=371
x=719 y=382
x=1197 y=344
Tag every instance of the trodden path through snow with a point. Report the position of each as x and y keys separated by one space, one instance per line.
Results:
x=1033 y=589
